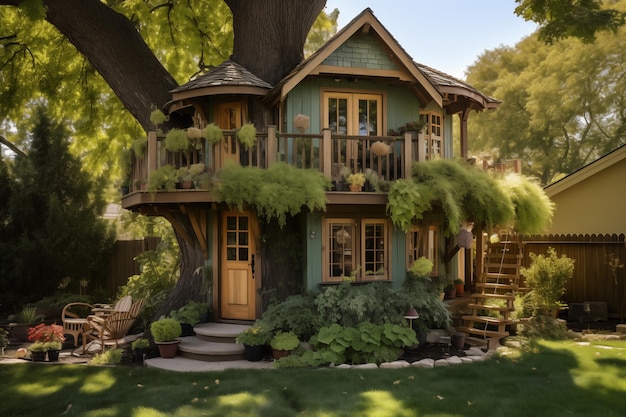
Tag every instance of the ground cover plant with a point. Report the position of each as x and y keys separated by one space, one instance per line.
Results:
x=549 y=379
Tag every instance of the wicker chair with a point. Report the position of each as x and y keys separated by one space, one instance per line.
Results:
x=110 y=329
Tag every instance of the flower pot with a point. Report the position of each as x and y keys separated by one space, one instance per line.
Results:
x=255 y=353
x=355 y=188
x=460 y=289
x=38 y=356
x=186 y=185
x=451 y=293
x=168 y=349
x=53 y=355
x=458 y=340
x=139 y=355
x=277 y=354
x=187 y=330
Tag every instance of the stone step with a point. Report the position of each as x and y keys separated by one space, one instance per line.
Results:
x=213 y=342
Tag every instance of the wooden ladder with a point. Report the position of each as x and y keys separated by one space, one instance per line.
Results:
x=494 y=296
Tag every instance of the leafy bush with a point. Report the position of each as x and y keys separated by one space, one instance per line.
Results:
x=176 y=140
x=165 y=330
x=365 y=343
x=546 y=278
x=285 y=341
x=190 y=313
x=247 y=135
x=163 y=178
x=420 y=292
x=297 y=313
x=110 y=357
x=256 y=335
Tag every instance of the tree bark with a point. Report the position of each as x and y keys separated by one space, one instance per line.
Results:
x=117 y=51
x=270 y=34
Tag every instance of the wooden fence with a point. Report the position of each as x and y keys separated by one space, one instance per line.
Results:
x=123 y=264
x=594 y=279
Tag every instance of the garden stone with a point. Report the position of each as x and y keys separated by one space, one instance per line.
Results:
x=424 y=363
x=343 y=366
x=475 y=358
x=441 y=362
x=454 y=360
x=466 y=359
x=395 y=365
x=366 y=366
x=474 y=351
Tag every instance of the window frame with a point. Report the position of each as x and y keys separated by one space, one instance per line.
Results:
x=430 y=249
x=353 y=96
x=358 y=247
x=433 y=134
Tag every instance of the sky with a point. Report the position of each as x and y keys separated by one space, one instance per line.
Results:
x=448 y=35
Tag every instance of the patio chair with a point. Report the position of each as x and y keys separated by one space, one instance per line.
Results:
x=74 y=315
x=110 y=329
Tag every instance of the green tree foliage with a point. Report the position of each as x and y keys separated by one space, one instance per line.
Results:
x=50 y=230
x=560 y=19
x=562 y=107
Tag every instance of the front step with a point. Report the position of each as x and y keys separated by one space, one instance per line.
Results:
x=213 y=342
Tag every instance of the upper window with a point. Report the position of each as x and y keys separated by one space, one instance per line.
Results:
x=357 y=250
x=353 y=114
x=433 y=134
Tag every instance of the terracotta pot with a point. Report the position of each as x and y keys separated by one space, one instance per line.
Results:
x=168 y=349
x=277 y=354
x=460 y=289
x=355 y=187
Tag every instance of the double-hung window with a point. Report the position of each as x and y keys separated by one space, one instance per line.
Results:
x=433 y=134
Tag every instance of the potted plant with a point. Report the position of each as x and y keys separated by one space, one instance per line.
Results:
x=459 y=285
x=283 y=343
x=165 y=332
x=255 y=341
x=163 y=178
x=189 y=315
x=356 y=181
x=450 y=291
x=22 y=321
x=185 y=179
x=46 y=339
x=37 y=351
x=140 y=348
x=247 y=135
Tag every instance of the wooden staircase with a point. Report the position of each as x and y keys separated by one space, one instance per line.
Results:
x=492 y=301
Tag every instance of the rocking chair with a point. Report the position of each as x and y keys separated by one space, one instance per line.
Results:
x=110 y=329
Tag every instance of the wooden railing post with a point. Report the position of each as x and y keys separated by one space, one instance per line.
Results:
x=421 y=147
x=327 y=147
x=152 y=153
x=272 y=145
x=408 y=154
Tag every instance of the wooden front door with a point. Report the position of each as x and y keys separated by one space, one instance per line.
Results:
x=240 y=271
x=230 y=116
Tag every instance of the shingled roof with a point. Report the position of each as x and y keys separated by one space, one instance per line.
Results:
x=228 y=75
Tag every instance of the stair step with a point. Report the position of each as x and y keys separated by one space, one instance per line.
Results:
x=490 y=307
x=499 y=275
x=493 y=285
x=487 y=319
x=193 y=347
x=486 y=334
x=497 y=296
x=219 y=332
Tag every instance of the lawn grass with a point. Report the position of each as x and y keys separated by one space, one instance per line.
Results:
x=554 y=379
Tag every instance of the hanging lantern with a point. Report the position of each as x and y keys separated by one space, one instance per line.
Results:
x=464 y=238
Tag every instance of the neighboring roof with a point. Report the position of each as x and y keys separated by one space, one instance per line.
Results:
x=227 y=78
x=587 y=171
x=364 y=21
x=448 y=85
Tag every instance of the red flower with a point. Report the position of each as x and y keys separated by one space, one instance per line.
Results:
x=43 y=333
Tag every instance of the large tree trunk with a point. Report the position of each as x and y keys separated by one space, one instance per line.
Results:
x=269 y=41
x=112 y=44
x=270 y=34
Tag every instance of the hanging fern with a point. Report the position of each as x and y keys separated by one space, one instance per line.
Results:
x=176 y=140
x=407 y=203
x=275 y=192
x=533 y=208
x=213 y=134
x=247 y=135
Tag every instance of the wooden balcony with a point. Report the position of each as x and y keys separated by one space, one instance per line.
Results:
x=327 y=153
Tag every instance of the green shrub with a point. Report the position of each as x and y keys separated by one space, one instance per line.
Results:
x=256 y=335
x=297 y=314
x=190 y=313
x=140 y=343
x=285 y=341
x=546 y=278
x=176 y=140
x=163 y=178
x=110 y=357
x=165 y=330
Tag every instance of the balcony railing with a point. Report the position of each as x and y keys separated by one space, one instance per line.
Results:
x=325 y=152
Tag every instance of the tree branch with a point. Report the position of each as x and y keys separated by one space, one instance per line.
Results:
x=11 y=146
